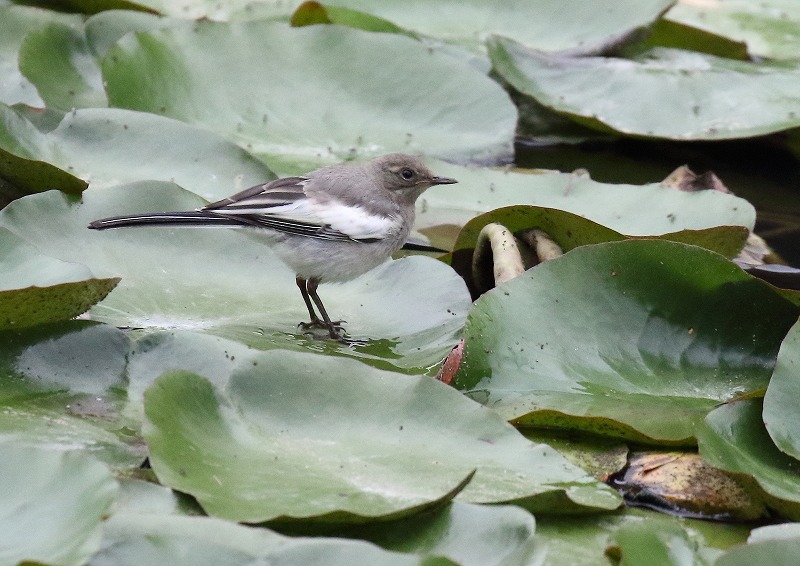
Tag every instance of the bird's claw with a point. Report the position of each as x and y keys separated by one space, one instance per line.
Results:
x=335 y=326
x=335 y=330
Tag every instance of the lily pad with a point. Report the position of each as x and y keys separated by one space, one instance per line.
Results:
x=781 y=552
x=411 y=309
x=570 y=231
x=769 y=29
x=636 y=339
x=780 y=413
x=15 y=23
x=589 y=541
x=549 y=25
x=57 y=59
x=109 y=146
x=37 y=289
x=661 y=545
x=133 y=539
x=61 y=388
x=734 y=439
x=634 y=210
x=21 y=172
x=467 y=534
x=663 y=93
x=295 y=436
x=20 y=177
x=313 y=13
x=325 y=93
x=669 y=33
x=53 y=504
x=105 y=28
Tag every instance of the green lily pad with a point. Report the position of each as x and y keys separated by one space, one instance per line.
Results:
x=134 y=539
x=15 y=23
x=663 y=93
x=570 y=231
x=774 y=532
x=109 y=146
x=105 y=28
x=294 y=436
x=325 y=93
x=734 y=439
x=646 y=210
x=769 y=29
x=467 y=534
x=313 y=13
x=21 y=172
x=56 y=58
x=669 y=33
x=20 y=177
x=661 y=545
x=37 y=289
x=61 y=387
x=411 y=309
x=780 y=413
x=52 y=505
x=637 y=339
x=589 y=541
x=779 y=552
x=549 y=25
x=94 y=6
x=598 y=456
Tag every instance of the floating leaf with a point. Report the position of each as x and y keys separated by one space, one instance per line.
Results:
x=550 y=25
x=293 y=436
x=644 y=210
x=134 y=538
x=769 y=29
x=664 y=93
x=60 y=386
x=661 y=545
x=634 y=339
x=780 y=412
x=57 y=59
x=587 y=541
x=109 y=146
x=779 y=551
x=52 y=505
x=734 y=439
x=570 y=231
x=467 y=534
x=15 y=23
x=37 y=289
x=324 y=94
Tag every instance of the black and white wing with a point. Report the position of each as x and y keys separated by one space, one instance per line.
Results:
x=283 y=205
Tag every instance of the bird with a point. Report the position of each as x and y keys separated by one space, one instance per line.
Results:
x=330 y=225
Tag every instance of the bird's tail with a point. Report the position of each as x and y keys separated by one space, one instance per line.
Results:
x=198 y=218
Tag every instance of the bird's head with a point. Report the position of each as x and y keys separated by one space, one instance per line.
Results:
x=405 y=176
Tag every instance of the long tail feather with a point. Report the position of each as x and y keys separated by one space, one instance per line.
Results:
x=198 y=218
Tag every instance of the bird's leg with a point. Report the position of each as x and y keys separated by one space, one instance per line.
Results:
x=315 y=321
x=334 y=328
x=308 y=288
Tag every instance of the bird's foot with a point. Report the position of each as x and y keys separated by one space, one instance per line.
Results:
x=335 y=331
x=335 y=327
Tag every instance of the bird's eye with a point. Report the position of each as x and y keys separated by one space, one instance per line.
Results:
x=406 y=173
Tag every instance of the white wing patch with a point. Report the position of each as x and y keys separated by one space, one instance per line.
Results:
x=356 y=222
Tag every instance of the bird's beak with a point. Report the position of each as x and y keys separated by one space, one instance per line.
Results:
x=442 y=181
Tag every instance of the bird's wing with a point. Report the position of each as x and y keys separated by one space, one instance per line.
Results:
x=284 y=206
